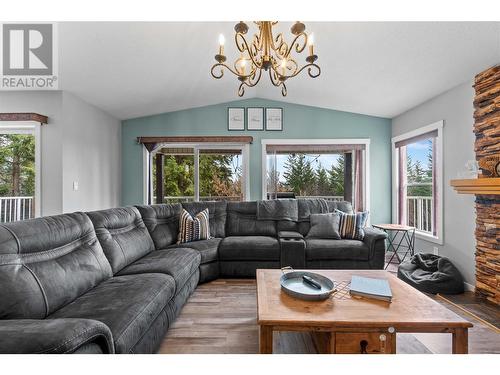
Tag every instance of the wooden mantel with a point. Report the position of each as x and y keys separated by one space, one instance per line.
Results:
x=482 y=186
x=35 y=117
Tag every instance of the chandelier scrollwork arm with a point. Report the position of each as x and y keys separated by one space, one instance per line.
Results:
x=254 y=79
x=220 y=74
x=221 y=65
x=284 y=91
x=310 y=72
x=244 y=47
x=318 y=69
x=241 y=89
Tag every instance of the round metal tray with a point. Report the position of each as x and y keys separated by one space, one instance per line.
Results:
x=293 y=285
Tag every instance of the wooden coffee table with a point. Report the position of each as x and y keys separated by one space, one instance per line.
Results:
x=344 y=324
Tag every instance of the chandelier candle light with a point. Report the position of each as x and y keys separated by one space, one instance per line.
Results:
x=268 y=53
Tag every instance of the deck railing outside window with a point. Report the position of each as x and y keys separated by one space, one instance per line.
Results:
x=336 y=198
x=181 y=199
x=419 y=213
x=16 y=208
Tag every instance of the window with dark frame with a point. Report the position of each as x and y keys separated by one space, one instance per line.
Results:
x=219 y=175
x=329 y=171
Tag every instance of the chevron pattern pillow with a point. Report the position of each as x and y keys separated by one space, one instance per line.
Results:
x=351 y=225
x=193 y=229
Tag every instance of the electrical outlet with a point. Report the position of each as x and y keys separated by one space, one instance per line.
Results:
x=436 y=250
x=75 y=185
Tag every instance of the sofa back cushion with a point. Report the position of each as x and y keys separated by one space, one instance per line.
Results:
x=343 y=206
x=162 y=222
x=303 y=226
x=242 y=221
x=46 y=263
x=122 y=234
x=217 y=212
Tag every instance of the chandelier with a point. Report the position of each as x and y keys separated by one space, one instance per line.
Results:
x=268 y=53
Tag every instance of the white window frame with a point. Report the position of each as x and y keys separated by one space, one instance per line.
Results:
x=25 y=127
x=245 y=173
x=439 y=237
x=339 y=141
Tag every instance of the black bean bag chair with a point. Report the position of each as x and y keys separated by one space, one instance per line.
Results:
x=432 y=274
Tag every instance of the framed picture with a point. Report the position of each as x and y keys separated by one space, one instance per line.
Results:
x=255 y=118
x=236 y=118
x=274 y=119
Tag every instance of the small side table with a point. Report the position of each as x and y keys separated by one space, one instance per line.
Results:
x=406 y=240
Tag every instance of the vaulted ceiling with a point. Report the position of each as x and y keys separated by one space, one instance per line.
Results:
x=135 y=69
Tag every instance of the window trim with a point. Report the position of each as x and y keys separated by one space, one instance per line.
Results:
x=147 y=165
x=317 y=141
x=26 y=127
x=438 y=125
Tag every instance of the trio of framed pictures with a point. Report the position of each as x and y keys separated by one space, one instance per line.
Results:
x=256 y=118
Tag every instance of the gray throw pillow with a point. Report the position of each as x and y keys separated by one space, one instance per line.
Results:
x=324 y=226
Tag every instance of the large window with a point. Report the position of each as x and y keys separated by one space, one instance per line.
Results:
x=418 y=182
x=19 y=176
x=183 y=173
x=329 y=169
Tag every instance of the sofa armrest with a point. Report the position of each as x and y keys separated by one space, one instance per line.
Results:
x=375 y=239
x=52 y=336
x=290 y=235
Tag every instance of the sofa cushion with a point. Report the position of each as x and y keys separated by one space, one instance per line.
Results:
x=242 y=221
x=128 y=305
x=249 y=248
x=178 y=263
x=122 y=234
x=46 y=263
x=351 y=225
x=217 y=212
x=162 y=222
x=195 y=228
x=324 y=226
x=207 y=248
x=326 y=249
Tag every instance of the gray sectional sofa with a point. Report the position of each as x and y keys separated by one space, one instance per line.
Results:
x=113 y=281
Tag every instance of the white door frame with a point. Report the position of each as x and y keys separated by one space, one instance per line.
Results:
x=25 y=127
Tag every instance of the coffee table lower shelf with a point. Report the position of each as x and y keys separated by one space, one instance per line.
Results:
x=354 y=340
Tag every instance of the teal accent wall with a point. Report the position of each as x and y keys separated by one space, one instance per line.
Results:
x=299 y=121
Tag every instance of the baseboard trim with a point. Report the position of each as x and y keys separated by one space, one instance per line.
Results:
x=469 y=287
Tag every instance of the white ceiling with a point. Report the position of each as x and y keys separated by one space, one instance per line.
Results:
x=382 y=69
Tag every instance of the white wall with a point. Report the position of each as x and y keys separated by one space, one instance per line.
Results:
x=456 y=109
x=91 y=157
x=80 y=142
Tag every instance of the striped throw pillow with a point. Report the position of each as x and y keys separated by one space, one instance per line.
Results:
x=351 y=225
x=193 y=229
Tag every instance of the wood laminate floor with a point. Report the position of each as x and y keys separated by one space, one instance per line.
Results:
x=221 y=317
